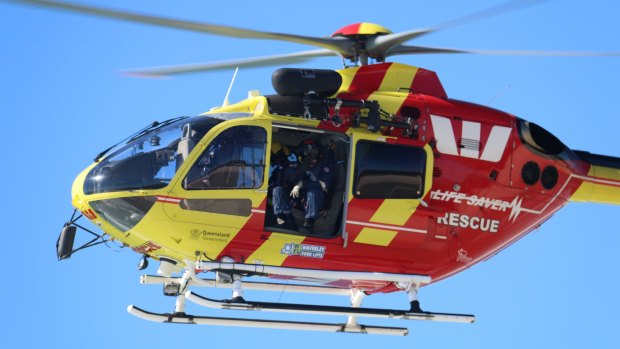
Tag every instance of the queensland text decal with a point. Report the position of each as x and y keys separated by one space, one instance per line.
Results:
x=312 y=251
x=201 y=234
x=471 y=139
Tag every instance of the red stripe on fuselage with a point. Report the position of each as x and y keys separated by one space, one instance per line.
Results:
x=368 y=80
x=427 y=82
x=250 y=234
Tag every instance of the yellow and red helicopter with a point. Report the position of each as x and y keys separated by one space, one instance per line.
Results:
x=413 y=186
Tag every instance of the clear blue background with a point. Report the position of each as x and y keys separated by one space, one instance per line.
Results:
x=63 y=100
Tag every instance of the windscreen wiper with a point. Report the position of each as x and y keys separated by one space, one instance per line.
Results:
x=153 y=126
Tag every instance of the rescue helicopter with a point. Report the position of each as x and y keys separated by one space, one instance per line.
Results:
x=372 y=162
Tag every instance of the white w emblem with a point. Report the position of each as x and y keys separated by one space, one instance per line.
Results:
x=469 y=144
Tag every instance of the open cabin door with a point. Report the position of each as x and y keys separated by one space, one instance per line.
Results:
x=305 y=157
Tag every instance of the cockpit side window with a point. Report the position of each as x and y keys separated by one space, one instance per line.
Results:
x=150 y=160
x=235 y=159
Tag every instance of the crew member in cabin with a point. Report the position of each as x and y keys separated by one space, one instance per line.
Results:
x=314 y=183
x=283 y=178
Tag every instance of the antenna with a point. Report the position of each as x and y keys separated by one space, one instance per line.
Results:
x=226 y=102
x=499 y=93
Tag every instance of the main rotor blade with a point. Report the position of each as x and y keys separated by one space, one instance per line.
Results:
x=406 y=49
x=379 y=46
x=288 y=58
x=339 y=44
x=494 y=11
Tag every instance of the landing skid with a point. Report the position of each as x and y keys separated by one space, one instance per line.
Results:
x=232 y=274
x=181 y=318
x=328 y=310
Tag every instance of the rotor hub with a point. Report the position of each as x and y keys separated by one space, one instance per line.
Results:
x=363 y=28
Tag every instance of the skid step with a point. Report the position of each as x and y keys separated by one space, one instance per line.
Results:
x=328 y=310
x=182 y=318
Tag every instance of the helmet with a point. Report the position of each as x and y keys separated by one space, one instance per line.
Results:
x=276 y=147
x=310 y=146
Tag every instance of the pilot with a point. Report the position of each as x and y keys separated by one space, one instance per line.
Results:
x=315 y=183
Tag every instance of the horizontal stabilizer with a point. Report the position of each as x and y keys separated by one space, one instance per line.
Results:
x=602 y=184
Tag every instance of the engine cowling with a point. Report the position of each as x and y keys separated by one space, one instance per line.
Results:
x=298 y=82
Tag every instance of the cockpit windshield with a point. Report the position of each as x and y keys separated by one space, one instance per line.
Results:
x=150 y=160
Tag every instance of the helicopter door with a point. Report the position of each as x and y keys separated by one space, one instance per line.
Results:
x=315 y=161
x=387 y=183
x=224 y=189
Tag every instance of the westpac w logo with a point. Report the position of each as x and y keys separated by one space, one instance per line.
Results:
x=469 y=145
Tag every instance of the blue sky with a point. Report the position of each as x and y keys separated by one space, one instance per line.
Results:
x=63 y=101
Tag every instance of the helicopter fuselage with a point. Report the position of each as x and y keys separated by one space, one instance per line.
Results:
x=420 y=183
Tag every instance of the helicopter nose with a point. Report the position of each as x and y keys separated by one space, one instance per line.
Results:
x=122 y=210
x=123 y=213
x=77 y=191
x=602 y=183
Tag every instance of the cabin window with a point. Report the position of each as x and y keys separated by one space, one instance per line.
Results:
x=235 y=159
x=388 y=171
